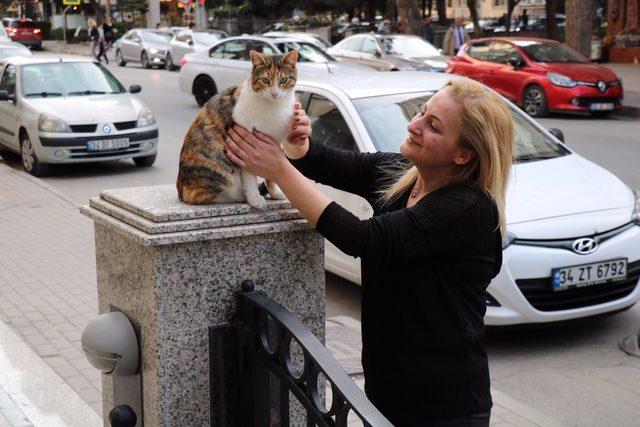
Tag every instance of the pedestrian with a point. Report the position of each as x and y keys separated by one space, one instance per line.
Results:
x=524 y=20
x=94 y=37
x=428 y=253
x=191 y=25
x=107 y=27
x=102 y=45
x=428 y=29
x=455 y=37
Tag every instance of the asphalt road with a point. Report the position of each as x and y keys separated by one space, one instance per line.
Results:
x=572 y=372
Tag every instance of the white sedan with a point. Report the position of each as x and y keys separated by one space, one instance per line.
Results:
x=190 y=41
x=227 y=63
x=574 y=228
x=55 y=110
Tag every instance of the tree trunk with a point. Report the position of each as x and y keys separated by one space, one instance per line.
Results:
x=371 y=15
x=430 y=7
x=390 y=13
x=411 y=17
x=511 y=4
x=471 y=4
x=580 y=18
x=550 y=10
x=442 y=13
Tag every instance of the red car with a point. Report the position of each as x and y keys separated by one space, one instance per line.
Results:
x=540 y=75
x=24 y=31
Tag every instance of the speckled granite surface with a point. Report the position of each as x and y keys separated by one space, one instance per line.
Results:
x=175 y=285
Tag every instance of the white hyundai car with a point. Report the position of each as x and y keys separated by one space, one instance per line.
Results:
x=227 y=63
x=190 y=41
x=574 y=228
x=55 y=110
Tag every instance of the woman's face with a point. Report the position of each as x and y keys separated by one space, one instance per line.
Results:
x=433 y=135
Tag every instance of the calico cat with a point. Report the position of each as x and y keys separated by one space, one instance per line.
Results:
x=263 y=102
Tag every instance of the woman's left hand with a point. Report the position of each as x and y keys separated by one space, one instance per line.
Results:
x=256 y=152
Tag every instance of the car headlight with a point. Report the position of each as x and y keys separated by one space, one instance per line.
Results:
x=145 y=117
x=561 y=80
x=153 y=50
x=635 y=215
x=508 y=240
x=51 y=123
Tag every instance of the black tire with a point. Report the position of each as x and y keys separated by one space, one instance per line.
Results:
x=145 y=162
x=203 y=89
x=144 y=59
x=169 y=63
x=29 y=159
x=534 y=101
x=601 y=114
x=8 y=155
x=121 y=62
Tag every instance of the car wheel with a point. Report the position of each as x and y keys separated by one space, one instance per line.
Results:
x=145 y=162
x=30 y=161
x=601 y=114
x=169 y=63
x=119 y=59
x=534 y=102
x=203 y=89
x=144 y=59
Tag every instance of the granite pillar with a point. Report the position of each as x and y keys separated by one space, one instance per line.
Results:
x=173 y=270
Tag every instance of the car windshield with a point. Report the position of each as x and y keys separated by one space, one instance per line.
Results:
x=8 y=52
x=307 y=52
x=206 y=37
x=68 y=79
x=156 y=36
x=386 y=119
x=550 y=52
x=410 y=47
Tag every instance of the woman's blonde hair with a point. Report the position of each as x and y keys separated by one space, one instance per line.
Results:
x=486 y=128
x=91 y=23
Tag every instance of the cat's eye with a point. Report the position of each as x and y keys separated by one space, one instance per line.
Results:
x=265 y=80
x=283 y=80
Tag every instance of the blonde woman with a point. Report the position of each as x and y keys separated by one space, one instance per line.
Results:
x=428 y=253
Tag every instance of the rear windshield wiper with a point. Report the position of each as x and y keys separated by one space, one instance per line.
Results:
x=43 y=94
x=88 y=92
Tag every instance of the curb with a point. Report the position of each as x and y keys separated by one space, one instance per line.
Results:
x=39 y=183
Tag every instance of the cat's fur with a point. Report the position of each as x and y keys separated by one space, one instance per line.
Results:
x=205 y=174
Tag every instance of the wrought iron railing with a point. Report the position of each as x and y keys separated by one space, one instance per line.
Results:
x=269 y=336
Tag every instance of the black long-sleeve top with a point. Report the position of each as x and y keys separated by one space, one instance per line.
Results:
x=424 y=274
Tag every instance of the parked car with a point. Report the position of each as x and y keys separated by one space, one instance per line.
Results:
x=191 y=41
x=390 y=52
x=148 y=47
x=540 y=75
x=62 y=110
x=565 y=215
x=485 y=25
x=9 y=48
x=3 y=33
x=23 y=31
x=227 y=63
x=307 y=37
x=172 y=30
x=540 y=23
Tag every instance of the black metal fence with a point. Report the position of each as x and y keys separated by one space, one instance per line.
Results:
x=278 y=356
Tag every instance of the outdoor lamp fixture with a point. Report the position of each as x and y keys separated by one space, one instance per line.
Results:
x=110 y=344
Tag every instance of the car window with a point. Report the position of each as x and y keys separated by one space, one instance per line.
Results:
x=260 y=47
x=131 y=35
x=8 y=81
x=327 y=124
x=233 y=49
x=182 y=37
x=207 y=37
x=156 y=36
x=307 y=52
x=356 y=44
x=344 y=44
x=501 y=52
x=369 y=45
x=479 y=51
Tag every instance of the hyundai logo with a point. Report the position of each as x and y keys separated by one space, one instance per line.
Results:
x=584 y=246
x=602 y=86
x=106 y=128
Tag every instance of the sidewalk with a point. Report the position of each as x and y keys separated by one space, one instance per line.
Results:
x=48 y=295
x=629 y=73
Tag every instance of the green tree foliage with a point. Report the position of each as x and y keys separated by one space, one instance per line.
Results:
x=140 y=6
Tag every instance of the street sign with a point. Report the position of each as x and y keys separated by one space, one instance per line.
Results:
x=71 y=2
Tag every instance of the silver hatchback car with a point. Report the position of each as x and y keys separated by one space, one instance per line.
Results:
x=148 y=47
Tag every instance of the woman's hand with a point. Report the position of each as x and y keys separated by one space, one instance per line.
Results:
x=296 y=143
x=256 y=152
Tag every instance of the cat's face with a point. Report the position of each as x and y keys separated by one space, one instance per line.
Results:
x=273 y=76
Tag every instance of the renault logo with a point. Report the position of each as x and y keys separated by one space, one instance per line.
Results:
x=106 y=128
x=602 y=86
x=584 y=246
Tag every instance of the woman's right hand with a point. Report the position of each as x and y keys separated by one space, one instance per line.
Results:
x=296 y=143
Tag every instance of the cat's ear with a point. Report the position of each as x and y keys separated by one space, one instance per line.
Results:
x=257 y=58
x=290 y=58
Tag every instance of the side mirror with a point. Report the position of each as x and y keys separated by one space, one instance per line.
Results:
x=135 y=89
x=190 y=42
x=557 y=133
x=137 y=40
x=515 y=62
x=6 y=96
x=377 y=54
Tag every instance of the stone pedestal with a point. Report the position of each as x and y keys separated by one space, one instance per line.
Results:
x=173 y=270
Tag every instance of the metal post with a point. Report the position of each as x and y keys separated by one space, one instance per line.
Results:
x=64 y=23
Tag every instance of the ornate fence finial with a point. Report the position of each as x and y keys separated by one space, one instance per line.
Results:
x=247 y=286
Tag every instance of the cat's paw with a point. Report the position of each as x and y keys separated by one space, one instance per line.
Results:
x=257 y=202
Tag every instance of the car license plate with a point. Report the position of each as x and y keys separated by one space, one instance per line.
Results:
x=108 y=144
x=588 y=274
x=601 y=106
